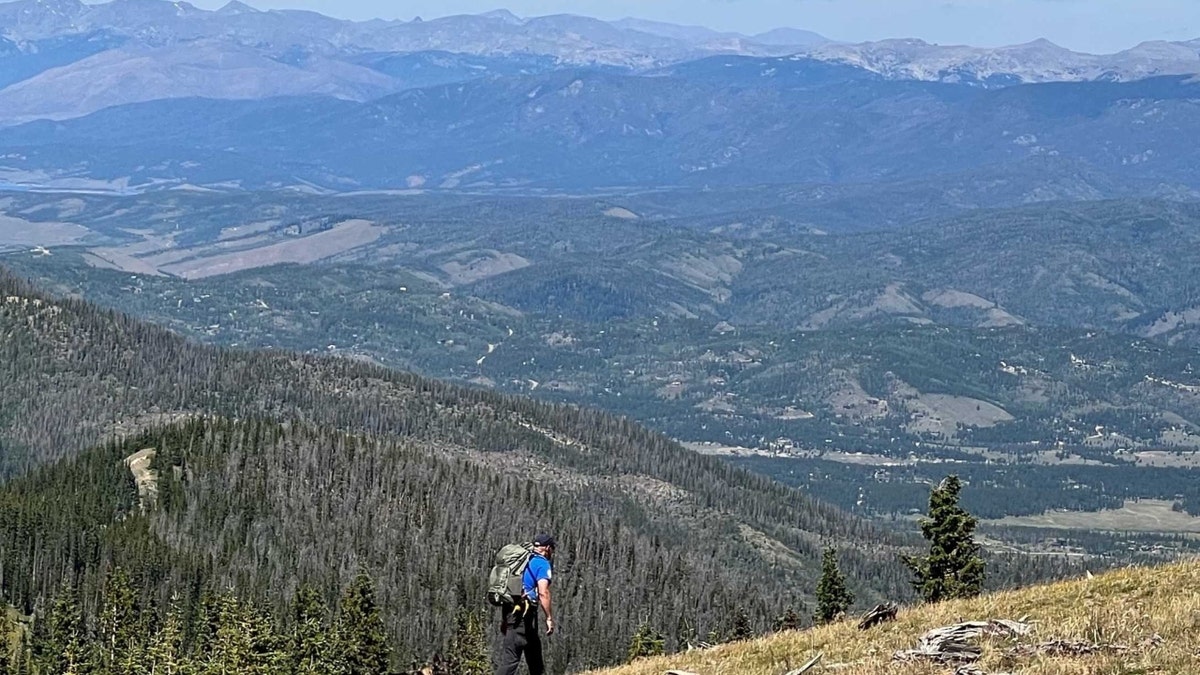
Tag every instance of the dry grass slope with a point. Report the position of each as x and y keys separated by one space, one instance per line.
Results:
x=1130 y=608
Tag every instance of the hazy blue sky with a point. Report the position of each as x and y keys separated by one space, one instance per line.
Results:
x=1088 y=25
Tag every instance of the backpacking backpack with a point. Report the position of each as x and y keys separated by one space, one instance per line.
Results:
x=505 y=583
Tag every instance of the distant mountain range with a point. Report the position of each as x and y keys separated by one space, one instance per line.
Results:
x=295 y=36
x=63 y=58
x=1038 y=61
x=150 y=93
x=701 y=124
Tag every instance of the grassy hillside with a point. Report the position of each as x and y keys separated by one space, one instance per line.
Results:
x=1143 y=619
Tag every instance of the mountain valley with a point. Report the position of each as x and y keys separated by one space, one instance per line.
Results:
x=302 y=318
x=221 y=422
x=771 y=347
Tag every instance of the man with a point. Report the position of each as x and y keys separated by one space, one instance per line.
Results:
x=520 y=627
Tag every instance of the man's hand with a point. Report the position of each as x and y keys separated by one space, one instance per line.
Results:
x=549 y=626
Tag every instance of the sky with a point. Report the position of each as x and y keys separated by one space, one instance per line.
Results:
x=1098 y=26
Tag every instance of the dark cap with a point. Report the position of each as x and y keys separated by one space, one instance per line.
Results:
x=545 y=540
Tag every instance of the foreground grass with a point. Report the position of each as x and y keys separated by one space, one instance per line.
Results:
x=1154 y=612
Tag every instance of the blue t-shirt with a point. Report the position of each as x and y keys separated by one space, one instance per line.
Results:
x=537 y=570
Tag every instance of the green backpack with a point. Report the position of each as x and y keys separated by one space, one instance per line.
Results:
x=505 y=583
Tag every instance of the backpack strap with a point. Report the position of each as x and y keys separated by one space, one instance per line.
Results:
x=522 y=608
x=521 y=563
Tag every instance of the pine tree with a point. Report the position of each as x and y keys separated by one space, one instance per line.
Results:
x=116 y=629
x=8 y=651
x=645 y=642
x=267 y=653
x=132 y=659
x=833 y=598
x=309 y=646
x=359 y=633
x=954 y=567
x=228 y=649
x=789 y=621
x=202 y=625
x=741 y=627
x=62 y=647
x=469 y=648
x=713 y=638
x=165 y=651
x=7 y=658
x=245 y=642
x=17 y=661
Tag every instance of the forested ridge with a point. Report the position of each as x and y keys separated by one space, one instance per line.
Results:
x=296 y=468
x=262 y=507
x=275 y=470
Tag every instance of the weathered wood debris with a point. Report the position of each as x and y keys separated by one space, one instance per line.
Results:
x=799 y=671
x=972 y=670
x=1078 y=648
x=952 y=644
x=877 y=615
x=806 y=667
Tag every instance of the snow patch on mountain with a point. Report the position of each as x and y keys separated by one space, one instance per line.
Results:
x=1038 y=61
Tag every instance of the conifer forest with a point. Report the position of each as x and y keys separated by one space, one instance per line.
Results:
x=206 y=507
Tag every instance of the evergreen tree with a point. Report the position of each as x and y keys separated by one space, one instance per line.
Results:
x=789 y=621
x=132 y=659
x=116 y=629
x=360 y=635
x=646 y=642
x=164 y=654
x=268 y=653
x=8 y=650
x=18 y=660
x=741 y=627
x=245 y=642
x=227 y=650
x=203 y=623
x=833 y=598
x=469 y=648
x=7 y=658
x=954 y=566
x=63 y=644
x=309 y=646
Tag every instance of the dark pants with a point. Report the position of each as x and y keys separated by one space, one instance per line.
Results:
x=521 y=637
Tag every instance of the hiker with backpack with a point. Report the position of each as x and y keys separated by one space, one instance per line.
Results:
x=520 y=586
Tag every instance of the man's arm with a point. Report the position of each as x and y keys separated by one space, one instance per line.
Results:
x=544 y=600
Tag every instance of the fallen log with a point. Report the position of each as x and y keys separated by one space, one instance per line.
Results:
x=973 y=670
x=877 y=615
x=1064 y=648
x=806 y=667
x=950 y=644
